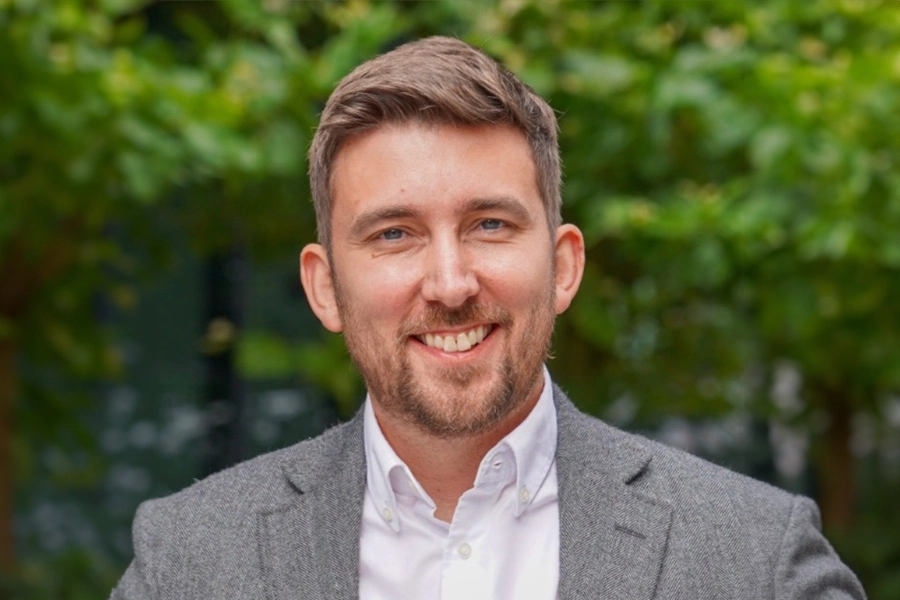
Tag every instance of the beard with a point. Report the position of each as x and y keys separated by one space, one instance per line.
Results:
x=452 y=401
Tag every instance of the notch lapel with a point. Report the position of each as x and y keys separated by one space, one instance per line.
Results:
x=310 y=548
x=612 y=537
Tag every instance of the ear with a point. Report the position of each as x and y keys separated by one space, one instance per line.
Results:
x=569 y=258
x=318 y=283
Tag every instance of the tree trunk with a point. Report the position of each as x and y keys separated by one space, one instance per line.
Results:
x=8 y=390
x=837 y=474
x=223 y=389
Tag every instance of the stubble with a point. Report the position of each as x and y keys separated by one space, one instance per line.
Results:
x=448 y=402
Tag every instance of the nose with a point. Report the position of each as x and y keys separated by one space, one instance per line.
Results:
x=449 y=278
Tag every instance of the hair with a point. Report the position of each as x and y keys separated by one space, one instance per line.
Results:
x=436 y=80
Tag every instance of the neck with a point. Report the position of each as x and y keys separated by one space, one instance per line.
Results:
x=446 y=467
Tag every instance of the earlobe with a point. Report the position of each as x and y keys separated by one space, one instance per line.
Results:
x=318 y=283
x=569 y=265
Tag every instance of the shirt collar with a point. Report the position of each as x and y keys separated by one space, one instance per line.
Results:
x=532 y=444
x=382 y=463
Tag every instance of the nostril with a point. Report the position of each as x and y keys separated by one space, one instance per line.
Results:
x=450 y=290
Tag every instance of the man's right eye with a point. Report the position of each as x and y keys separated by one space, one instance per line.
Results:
x=391 y=234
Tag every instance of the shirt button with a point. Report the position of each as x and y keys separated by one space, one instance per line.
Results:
x=465 y=550
x=388 y=514
x=523 y=495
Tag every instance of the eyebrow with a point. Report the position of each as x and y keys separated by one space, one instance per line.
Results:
x=508 y=204
x=370 y=218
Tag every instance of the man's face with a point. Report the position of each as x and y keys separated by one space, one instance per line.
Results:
x=443 y=273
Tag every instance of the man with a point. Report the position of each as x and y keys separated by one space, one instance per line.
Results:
x=442 y=260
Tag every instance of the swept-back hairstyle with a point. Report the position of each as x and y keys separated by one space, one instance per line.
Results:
x=436 y=80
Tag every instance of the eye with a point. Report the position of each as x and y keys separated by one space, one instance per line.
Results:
x=391 y=234
x=491 y=224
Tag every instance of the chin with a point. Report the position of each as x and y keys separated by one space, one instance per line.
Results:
x=464 y=405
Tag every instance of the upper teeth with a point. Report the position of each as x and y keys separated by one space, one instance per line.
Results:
x=456 y=342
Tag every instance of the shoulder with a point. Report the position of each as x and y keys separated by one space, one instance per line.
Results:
x=205 y=536
x=656 y=468
x=710 y=506
x=726 y=531
x=259 y=484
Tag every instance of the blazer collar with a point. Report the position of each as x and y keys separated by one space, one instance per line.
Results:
x=612 y=536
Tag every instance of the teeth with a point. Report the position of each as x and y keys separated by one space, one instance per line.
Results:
x=458 y=343
x=462 y=342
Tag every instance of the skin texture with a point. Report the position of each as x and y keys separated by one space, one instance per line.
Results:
x=441 y=229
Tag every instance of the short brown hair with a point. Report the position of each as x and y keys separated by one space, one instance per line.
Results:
x=434 y=80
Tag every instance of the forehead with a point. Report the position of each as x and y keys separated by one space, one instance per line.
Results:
x=432 y=167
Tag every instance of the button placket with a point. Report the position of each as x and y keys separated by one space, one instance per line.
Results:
x=465 y=550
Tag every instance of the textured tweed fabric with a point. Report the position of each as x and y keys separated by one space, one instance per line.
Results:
x=638 y=520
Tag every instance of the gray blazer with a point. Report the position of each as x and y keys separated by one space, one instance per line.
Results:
x=638 y=520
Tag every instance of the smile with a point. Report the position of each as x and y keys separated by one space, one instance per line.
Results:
x=456 y=342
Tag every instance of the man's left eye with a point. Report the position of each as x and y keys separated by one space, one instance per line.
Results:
x=491 y=224
x=392 y=234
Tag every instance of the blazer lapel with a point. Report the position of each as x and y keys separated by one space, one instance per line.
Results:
x=310 y=547
x=612 y=537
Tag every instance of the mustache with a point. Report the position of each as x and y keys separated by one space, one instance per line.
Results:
x=436 y=316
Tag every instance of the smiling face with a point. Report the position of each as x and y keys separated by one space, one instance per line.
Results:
x=443 y=275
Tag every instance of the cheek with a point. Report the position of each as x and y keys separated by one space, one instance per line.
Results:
x=381 y=292
x=517 y=280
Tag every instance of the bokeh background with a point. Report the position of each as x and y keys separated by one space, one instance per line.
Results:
x=735 y=167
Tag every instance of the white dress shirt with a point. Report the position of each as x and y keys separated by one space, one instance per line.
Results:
x=503 y=542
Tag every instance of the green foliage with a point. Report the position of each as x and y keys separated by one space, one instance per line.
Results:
x=744 y=173
x=325 y=364
x=74 y=575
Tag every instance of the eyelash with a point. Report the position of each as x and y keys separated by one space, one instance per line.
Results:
x=496 y=225
x=499 y=224
x=384 y=234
